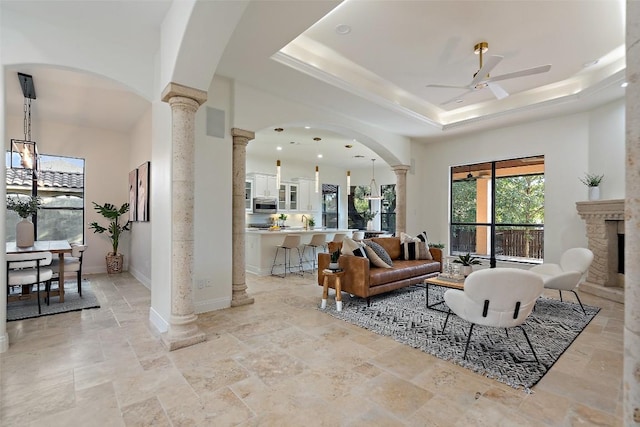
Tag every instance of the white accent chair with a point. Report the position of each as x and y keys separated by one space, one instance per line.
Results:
x=567 y=275
x=72 y=264
x=497 y=297
x=27 y=269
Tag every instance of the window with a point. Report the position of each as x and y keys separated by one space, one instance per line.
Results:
x=388 y=208
x=358 y=204
x=329 y=206
x=60 y=184
x=497 y=210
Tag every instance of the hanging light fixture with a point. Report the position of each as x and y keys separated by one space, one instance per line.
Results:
x=278 y=174
x=373 y=187
x=348 y=183
x=25 y=150
x=317 y=179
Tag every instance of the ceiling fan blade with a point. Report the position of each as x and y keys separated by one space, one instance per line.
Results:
x=448 y=86
x=456 y=98
x=497 y=90
x=488 y=65
x=521 y=73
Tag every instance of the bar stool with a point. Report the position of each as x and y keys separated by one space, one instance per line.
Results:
x=338 y=237
x=291 y=241
x=358 y=235
x=317 y=241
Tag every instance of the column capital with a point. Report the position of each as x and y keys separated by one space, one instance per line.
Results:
x=400 y=169
x=243 y=134
x=176 y=89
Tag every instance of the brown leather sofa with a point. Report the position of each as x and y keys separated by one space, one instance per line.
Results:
x=365 y=280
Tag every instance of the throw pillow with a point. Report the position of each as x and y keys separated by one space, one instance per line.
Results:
x=423 y=237
x=404 y=237
x=378 y=255
x=360 y=252
x=415 y=250
x=349 y=246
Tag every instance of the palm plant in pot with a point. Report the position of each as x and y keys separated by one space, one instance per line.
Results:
x=113 y=230
x=24 y=207
x=467 y=262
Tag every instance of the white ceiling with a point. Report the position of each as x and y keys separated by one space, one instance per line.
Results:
x=377 y=73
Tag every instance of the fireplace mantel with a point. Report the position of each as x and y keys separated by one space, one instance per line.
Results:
x=604 y=220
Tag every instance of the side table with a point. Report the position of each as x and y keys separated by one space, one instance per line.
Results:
x=336 y=275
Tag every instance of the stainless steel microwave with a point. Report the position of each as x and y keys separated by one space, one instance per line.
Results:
x=265 y=205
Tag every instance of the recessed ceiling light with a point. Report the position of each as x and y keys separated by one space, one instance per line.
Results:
x=458 y=101
x=278 y=129
x=279 y=148
x=358 y=156
x=348 y=146
x=590 y=63
x=317 y=138
x=307 y=127
x=319 y=156
x=624 y=84
x=343 y=29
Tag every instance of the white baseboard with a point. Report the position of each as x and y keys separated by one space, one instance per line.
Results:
x=158 y=321
x=4 y=343
x=146 y=281
x=212 y=305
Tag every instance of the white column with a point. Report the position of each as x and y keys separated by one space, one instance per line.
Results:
x=239 y=288
x=631 y=375
x=184 y=102
x=401 y=198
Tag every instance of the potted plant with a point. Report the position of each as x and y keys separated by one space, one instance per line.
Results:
x=467 y=262
x=25 y=208
x=114 y=230
x=368 y=216
x=593 y=182
x=333 y=265
x=311 y=223
x=282 y=218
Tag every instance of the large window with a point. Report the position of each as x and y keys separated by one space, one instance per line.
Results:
x=388 y=208
x=60 y=184
x=329 y=206
x=358 y=204
x=497 y=210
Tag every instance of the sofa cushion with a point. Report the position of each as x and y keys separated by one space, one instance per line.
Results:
x=391 y=245
x=378 y=255
x=402 y=270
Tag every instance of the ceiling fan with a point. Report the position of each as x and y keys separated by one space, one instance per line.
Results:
x=482 y=80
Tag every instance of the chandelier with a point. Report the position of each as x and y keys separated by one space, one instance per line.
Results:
x=24 y=153
x=374 y=193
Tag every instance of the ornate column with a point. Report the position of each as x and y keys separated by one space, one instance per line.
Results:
x=184 y=102
x=631 y=375
x=401 y=198
x=239 y=287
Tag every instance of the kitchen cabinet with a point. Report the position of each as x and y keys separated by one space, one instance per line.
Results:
x=264 y=185
x=308 y=199
x=288 y=197
x=248 y=194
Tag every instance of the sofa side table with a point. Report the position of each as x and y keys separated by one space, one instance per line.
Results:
x=336 y=276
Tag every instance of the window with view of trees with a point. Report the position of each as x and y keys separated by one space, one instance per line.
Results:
x=497 y=209
x=388 y=208
x=330 y=206
x=60 y=184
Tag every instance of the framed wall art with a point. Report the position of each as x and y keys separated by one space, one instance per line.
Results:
x=142 y=208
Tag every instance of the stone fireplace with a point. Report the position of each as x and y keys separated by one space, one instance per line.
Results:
x=605 y=233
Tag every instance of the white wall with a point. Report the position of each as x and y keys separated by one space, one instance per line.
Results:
x=565 y=142
x=607 y=148
x=106 y=155
x=140 y=152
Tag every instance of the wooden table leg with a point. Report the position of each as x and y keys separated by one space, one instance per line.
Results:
x=338 y=293
x=325 y=292
x=61 y=276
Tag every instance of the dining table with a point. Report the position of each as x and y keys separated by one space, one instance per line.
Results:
x=59 y=247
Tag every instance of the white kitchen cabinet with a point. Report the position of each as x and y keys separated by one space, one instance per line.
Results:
x=288 y=197
x=308 y=199
x=264 y=185
x=248 y=194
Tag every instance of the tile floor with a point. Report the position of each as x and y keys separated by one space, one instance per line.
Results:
x=280 y=362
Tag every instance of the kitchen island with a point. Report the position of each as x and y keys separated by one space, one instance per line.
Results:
x=260 y=246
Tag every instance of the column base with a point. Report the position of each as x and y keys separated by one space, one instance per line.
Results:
x=610 y=293
x=239 y=295
x=183 y=332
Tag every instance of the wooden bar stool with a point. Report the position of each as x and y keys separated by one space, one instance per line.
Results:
x=336 y=276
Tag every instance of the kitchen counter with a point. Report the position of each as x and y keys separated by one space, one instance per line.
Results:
x=260 y=246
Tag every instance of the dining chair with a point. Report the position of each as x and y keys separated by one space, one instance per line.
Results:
x=72 y=264
x=27 y=269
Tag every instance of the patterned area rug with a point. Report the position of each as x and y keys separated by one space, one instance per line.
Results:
x=19 y=310
x=401 y=314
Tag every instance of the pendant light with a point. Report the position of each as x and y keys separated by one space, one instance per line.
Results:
x=278 y=174
x=317 y=179
x=348 y=183
x=25 y=149
x=373 y=187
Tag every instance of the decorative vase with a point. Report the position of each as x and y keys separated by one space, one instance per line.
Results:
x=114 y=263
x=334 y=266
x=594 y=193
x=369 y=225
x=466 y=270
x=24 y=233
